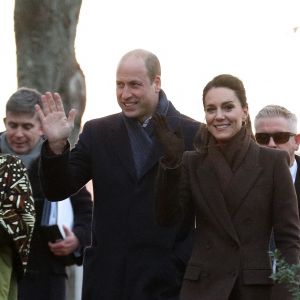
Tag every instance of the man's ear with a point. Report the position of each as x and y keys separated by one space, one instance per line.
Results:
x=4 y=120
x=157 y=83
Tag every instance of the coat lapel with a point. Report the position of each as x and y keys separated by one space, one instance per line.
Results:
x=120 y=145
x=214 y=199
x=244 y=179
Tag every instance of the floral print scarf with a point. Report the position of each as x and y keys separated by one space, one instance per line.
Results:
x=17 y=213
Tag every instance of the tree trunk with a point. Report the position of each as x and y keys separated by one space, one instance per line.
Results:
x=45 y=34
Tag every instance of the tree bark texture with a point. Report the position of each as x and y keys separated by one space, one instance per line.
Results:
x=45 y=34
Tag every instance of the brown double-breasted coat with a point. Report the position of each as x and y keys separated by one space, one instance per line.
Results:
x=232 y=245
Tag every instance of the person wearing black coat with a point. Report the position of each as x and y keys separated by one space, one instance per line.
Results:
x=46 y=270
x=46 y=275
x=276 y=127
x=131 y=257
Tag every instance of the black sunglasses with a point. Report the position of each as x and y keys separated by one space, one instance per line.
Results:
x=278 y=137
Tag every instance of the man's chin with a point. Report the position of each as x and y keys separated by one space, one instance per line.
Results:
x=20 y=151
x=130 y=114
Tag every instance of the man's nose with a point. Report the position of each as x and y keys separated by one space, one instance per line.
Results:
x=19 y=131
x=126 y=92
x=271 y=143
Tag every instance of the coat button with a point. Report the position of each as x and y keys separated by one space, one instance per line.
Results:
x=232 y=273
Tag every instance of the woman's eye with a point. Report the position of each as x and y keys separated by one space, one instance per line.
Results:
x=210 y=109
x=228 y=107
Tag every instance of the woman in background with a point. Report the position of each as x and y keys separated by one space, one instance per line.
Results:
x=16 y=223
x=237 y=191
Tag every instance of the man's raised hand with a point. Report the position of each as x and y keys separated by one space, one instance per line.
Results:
x=56 y=126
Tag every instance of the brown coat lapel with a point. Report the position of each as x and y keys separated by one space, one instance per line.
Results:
x=240 y=185
x=243 y=179
x=212 y=195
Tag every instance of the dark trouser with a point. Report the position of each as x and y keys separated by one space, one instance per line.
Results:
x=42 y=287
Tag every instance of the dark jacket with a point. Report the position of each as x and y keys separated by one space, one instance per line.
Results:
x=233 y=246
x=131 y=257
x=297 y=181
x=41 y=259
x=46 y=272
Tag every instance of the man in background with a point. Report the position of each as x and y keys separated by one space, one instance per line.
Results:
x=46 y=271
x=276 y=127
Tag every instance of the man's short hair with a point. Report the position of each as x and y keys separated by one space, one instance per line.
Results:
x=23 y=101
x=151 y=61
x=277 y=111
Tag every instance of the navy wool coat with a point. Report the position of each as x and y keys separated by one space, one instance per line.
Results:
x=131 y=257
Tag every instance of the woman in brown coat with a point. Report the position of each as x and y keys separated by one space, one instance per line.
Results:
x=237 y=192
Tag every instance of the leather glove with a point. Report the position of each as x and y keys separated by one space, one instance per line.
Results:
x=171 y=141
